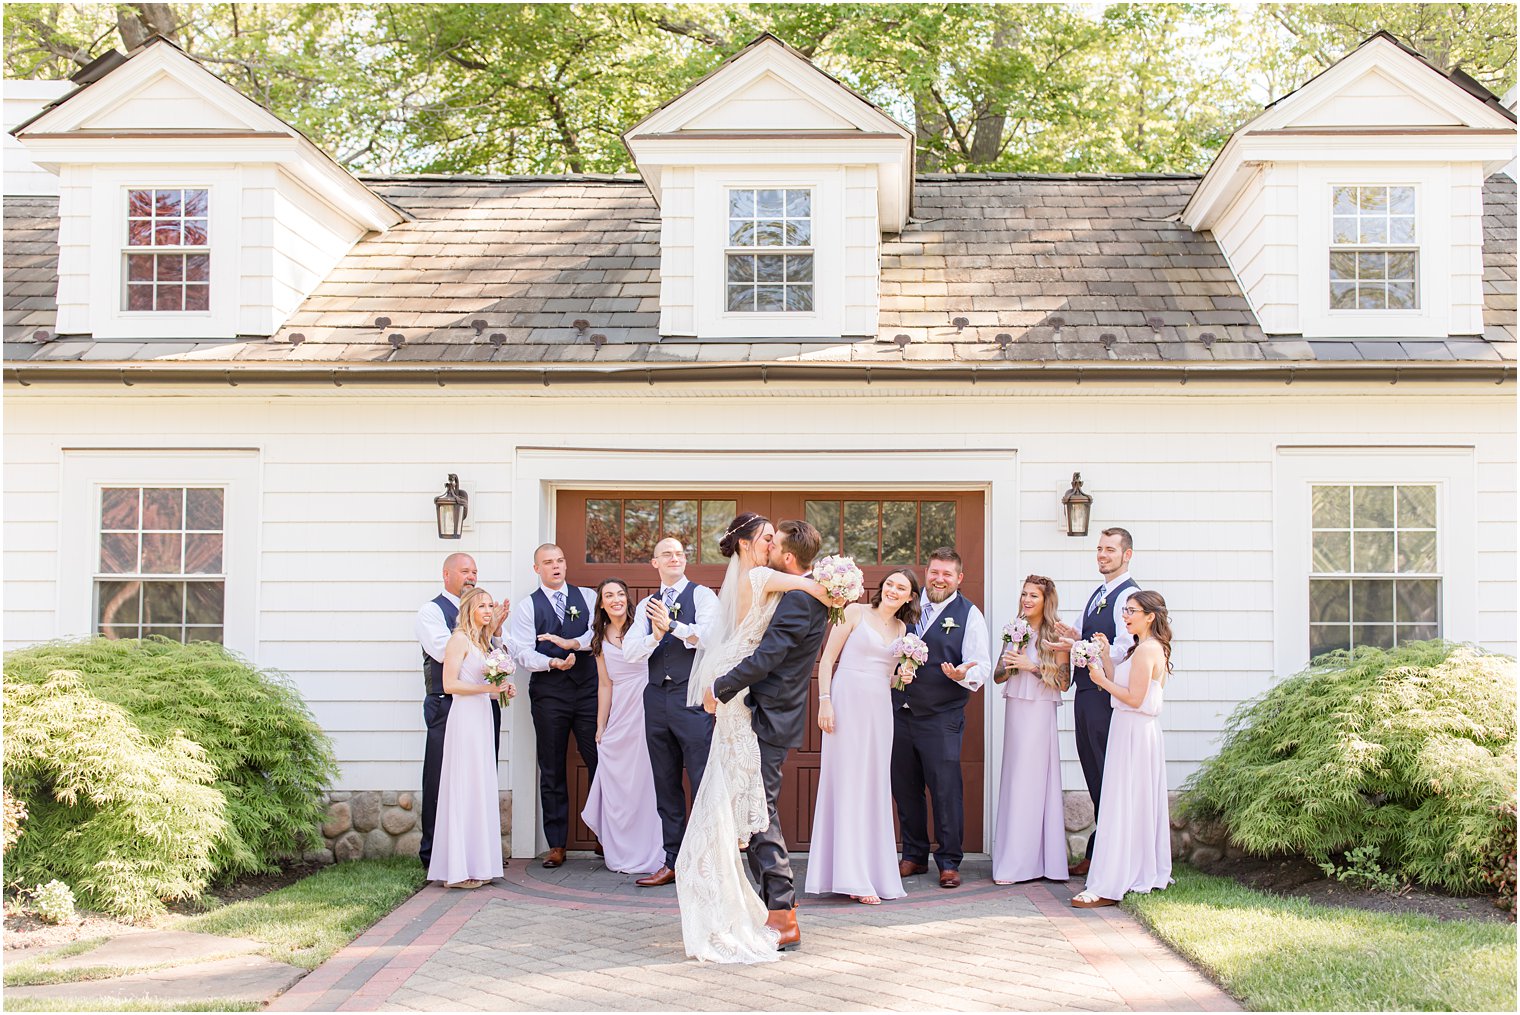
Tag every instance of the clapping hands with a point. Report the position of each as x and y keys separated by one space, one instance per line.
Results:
x=659 y=616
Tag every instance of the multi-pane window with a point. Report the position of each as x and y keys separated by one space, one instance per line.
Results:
x=160 y=567
x=1375 y=572
x=168 y=250
x=1374 y=259
x=624 y=531
x=770 y=250
x=883 y=531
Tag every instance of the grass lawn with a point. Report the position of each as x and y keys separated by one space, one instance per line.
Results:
x=1289 y=954
x=305 y=923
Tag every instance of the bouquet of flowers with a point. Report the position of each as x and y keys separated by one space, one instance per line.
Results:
x=842 y=579
x=1017 y=633
x=499 y=666
x=911 y=653
x=1084 y=653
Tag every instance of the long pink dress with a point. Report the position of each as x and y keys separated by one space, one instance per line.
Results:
x=1030 y=837
x=620 y=808
x=1133 y=851
x=467 y=836
x=854 y=851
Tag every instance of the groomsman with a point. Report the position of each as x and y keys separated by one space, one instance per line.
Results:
x=1093 y=710
x=550 y=638
x=667 y=628
x=930 y=720
x=435 y=622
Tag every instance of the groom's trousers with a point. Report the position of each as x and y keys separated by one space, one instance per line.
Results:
x=768 y=858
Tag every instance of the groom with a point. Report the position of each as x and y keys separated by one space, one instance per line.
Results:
x=778 y=676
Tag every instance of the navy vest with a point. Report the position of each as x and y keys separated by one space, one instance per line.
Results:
x=545 y=622
x=432 y=669
x=671 y=659
x=1104 y=621
x=931 y=691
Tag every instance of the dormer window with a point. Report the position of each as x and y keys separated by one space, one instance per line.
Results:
x=168 y=251
x=770 y=250
x=1374 y=260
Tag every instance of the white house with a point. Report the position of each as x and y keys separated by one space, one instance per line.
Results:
x=236 y=376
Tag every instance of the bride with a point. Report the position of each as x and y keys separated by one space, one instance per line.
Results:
x=722 y=917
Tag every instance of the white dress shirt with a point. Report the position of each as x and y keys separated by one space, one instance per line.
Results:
x=1122 y=639
x=522 y=636
x=975 y=645
x=432 y=632
x=642 y=641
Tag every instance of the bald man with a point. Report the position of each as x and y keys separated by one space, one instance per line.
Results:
x=435 y=622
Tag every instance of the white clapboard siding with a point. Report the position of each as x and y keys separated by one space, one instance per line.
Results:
x=346 y=547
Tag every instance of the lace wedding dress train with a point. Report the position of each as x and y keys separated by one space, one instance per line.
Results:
x=722 y=916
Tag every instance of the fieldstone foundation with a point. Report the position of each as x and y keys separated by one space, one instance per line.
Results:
x=1193 y=841
x=371 y=823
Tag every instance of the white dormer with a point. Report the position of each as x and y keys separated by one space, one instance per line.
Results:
x=1353 y=207
x=775 y=183
x=186 y=210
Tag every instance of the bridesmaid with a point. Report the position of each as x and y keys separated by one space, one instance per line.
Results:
x=1030 y=841
x=620 y=809
x=1134 y=844
x=854 y=849
x=467 y=836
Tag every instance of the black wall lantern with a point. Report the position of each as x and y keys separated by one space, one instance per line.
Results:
x=453 y=506
x=1078 y=507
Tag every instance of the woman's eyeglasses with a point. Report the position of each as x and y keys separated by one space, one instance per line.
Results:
x=1130 y=611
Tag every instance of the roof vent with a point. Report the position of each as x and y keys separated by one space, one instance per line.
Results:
x=498 y=339
x=902 y=340
x=42 y=337
x=382 y=322
x=396 y=339
x=296 y=338
x=598 y=339
x=1208 y=339
x=480 y=325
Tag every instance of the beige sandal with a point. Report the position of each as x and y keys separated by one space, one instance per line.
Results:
x=470 y=883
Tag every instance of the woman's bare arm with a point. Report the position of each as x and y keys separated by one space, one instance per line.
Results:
x=603 y=695
x=453 y=658
x=780 y=581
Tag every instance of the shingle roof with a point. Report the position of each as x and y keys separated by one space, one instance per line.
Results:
x=1086 y=268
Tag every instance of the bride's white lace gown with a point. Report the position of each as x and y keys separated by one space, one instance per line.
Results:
x=722 y=917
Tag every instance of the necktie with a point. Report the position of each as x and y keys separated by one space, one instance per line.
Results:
x=1097 y=597
x=670 y=596
x=559 y=605
x=926 y=619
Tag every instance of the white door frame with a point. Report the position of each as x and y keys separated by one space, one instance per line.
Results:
x=540 y=472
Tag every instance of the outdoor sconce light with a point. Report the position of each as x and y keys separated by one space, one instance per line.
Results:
x=453 y=506
x=1078 y=507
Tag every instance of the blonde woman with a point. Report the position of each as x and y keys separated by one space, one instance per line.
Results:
x=467 y=835
x=1030 y=841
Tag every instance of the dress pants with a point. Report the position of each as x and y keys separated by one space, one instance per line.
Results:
x=679 y=739
x=769 y=861
x=926 y=752
x=435 y=714
x=555 y=716
x=1094 y=712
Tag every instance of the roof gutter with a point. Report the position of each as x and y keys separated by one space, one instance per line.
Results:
x=651 y=374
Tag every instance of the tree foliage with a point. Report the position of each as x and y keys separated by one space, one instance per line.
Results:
x=443 y=87
x=1410 y=752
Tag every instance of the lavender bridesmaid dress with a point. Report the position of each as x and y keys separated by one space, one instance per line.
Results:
x=467 y=836
x=620 y=808
x=854 y=850
x=1030 y=837
x=1134 y=844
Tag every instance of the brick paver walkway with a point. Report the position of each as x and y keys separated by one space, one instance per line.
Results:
x=581 y=937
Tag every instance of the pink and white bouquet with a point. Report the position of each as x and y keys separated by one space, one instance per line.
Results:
x=842 y=579
x=1017 y=633
x=499 y=666
x=1084 y=653
x=911 y=653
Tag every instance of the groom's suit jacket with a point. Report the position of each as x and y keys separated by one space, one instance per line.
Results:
x=780 y=670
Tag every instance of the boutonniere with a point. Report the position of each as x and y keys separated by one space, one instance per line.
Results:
x=948 y=624
x=675 y=610
x=575 y=611
x=1102 y=602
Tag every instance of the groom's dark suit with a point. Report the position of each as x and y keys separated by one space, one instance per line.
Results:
x=778 y=675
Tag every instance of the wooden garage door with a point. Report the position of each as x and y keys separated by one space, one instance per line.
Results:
x=611 y=534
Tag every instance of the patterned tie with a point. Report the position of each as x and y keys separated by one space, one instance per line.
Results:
x=925 y=620
x=559 y=605
x=1097 y=597
x=670 y=596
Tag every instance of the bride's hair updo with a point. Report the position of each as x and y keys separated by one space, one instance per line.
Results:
x=745 y=526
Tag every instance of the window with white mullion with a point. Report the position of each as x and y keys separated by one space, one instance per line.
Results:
x=160 y=568
x=769 y=255
x=167 y=254
x=1374 y=254
x=1375 y=572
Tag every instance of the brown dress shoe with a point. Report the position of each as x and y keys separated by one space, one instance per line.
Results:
x=556 y=857
x=1081 y=868
x=907 y=868
x=598 y=849
x=949 y=879
x=784 y=923
x=663 y=876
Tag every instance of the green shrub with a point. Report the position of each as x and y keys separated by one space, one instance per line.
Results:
x=1409 y=752
x=271 y=760
x=53 y=902
x=127 y=820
